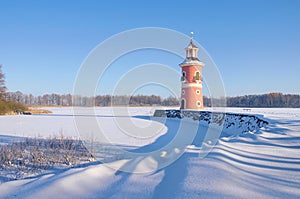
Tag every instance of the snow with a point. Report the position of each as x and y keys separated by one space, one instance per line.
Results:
x=261 y=165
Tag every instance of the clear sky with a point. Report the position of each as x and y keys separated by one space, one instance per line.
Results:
x=254 y=43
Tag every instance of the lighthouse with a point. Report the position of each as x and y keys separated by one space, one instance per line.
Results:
x=191 y=79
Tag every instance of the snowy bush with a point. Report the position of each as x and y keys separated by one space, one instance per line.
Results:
x=32 y=155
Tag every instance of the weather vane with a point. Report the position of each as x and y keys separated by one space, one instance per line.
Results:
x=192 y=34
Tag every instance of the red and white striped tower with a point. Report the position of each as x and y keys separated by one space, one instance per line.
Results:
x=191 y=89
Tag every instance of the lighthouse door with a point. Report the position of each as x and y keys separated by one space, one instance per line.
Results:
x=182 y=106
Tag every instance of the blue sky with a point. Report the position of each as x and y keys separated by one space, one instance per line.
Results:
x=255 y=44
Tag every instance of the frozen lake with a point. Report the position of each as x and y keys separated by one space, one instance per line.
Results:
x=62 y=121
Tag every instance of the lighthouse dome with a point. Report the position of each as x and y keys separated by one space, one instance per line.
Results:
x=191 y=55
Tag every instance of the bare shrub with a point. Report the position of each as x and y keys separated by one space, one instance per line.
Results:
x=36 y=155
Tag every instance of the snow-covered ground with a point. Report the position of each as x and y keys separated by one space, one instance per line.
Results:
x=264 y=165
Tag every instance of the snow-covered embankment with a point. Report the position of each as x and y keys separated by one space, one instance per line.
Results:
x=233 y=123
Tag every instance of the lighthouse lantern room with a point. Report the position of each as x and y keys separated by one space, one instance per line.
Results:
x=191 y=79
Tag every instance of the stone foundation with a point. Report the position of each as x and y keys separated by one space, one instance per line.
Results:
x=232 y=122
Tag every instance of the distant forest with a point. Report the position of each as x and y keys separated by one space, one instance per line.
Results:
x=265 y=100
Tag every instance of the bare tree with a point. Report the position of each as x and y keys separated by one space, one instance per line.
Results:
x=2 y=84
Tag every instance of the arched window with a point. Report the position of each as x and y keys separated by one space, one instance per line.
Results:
x=197 y=92
x=198 y=103
x=182 y=105
x=183 y=77
x=197 y=76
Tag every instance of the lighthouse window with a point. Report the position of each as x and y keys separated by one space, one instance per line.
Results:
x=182 y=105
x=194 y=53
x=183 y=78
x=183 y=92
x=197 y=76
x=198 y=103
x=197 y=92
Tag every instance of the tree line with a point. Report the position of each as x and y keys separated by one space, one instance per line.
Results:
x=265 y=100
x=270 y=100
x=7 y=106
x=99 y=100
